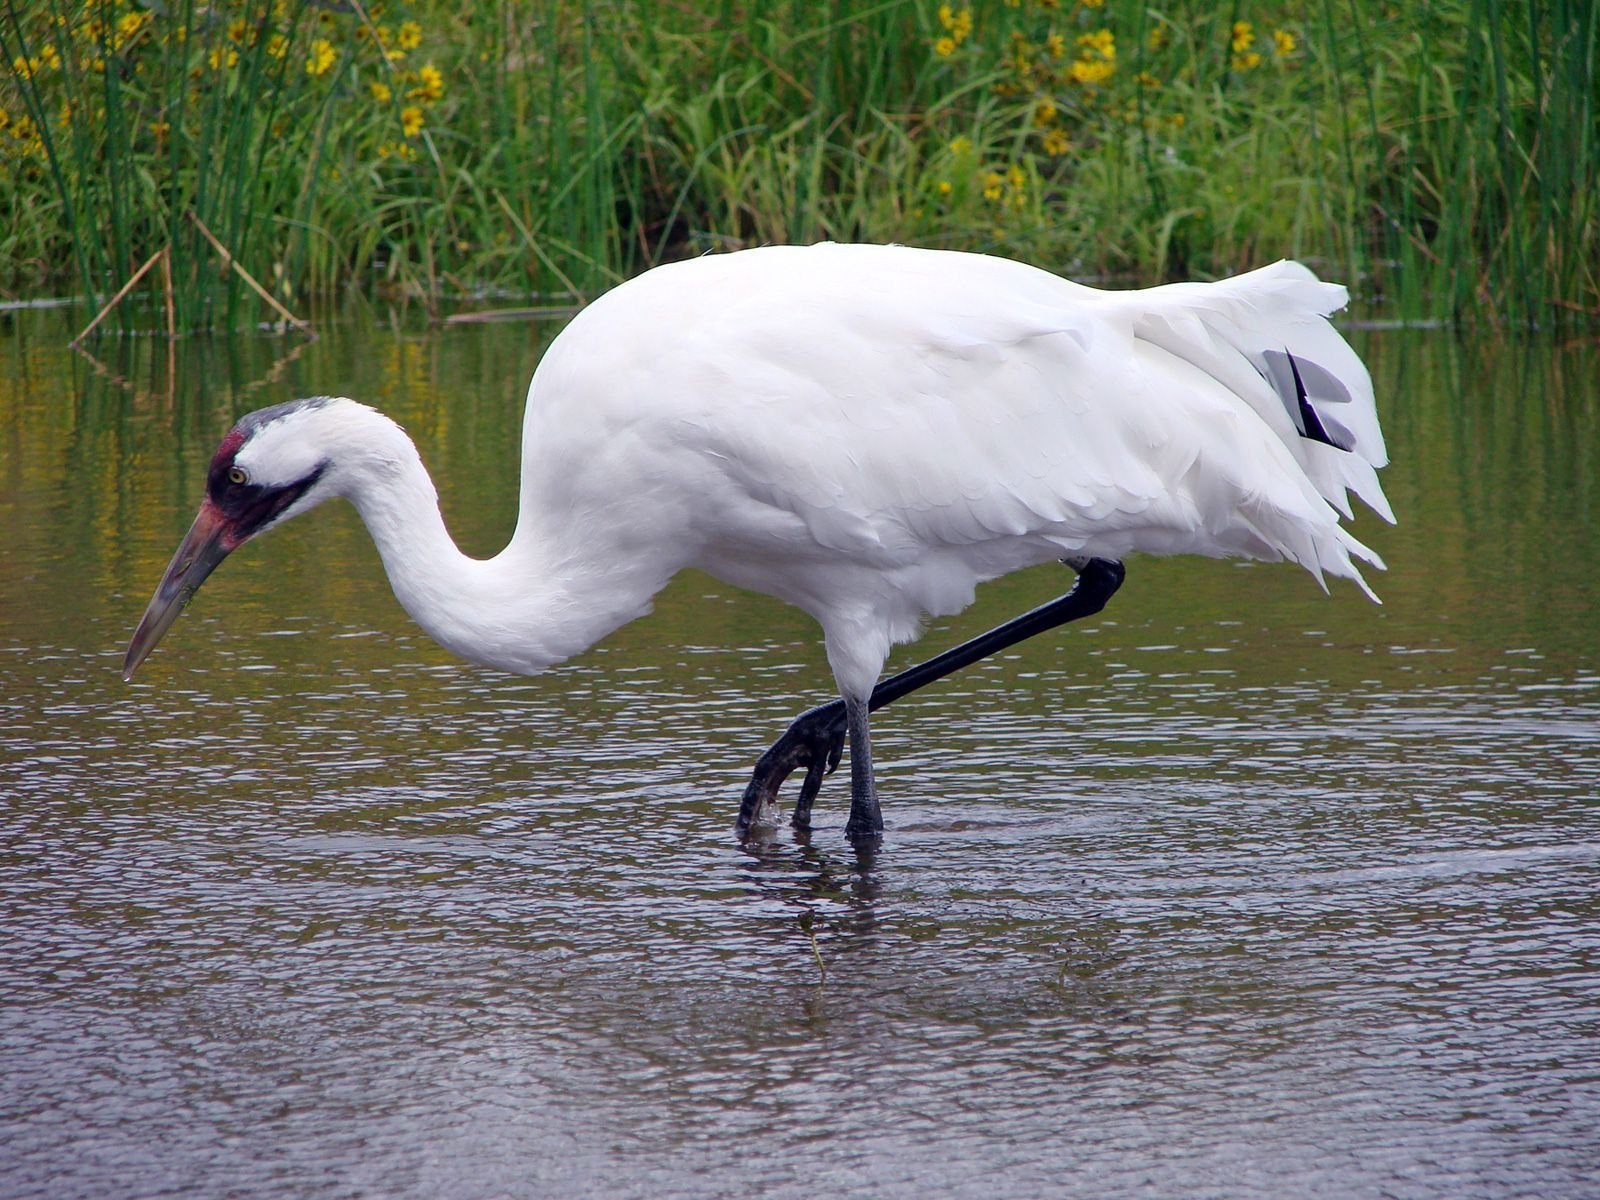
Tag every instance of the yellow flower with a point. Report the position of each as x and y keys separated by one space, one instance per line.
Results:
x=48 y=57
x=322 y=57
x=945 y=47
x=1159 y=36
x=960 y=145
x=958 y=23
x=1085 y=71
x=238 y=30
x=277 y=45
x=129 y=26
x=1283 y=42
x=1246 y=62
x=1243 y=34
x=222 y=58
x=430 y=85
x=411 y=120
x=1055 y=45
x=1044 y=112
x=410 y=36
x=1101 y=42
x=945 y=187
x=993 y=185
x=380 y=92
x=1017 y=177
x=24 y=67
x=1056 y=143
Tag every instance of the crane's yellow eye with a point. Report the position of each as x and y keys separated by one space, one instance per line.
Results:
x=238 y=475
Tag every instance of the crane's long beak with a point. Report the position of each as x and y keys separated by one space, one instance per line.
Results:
x=205 y=545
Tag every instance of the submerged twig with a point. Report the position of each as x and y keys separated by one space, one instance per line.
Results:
x=230 y=261
x=133 y=279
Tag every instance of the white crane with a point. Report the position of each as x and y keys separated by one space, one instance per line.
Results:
x=866 y=432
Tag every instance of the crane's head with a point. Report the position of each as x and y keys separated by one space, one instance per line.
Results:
x=273 y=465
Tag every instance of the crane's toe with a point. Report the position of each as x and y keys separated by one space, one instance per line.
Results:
x=814 y=740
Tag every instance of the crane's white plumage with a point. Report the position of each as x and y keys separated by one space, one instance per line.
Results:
x=867 y=432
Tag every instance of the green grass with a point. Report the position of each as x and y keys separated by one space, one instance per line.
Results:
x=1441 y=157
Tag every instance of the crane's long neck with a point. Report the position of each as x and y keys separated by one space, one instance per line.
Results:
x=530 y=606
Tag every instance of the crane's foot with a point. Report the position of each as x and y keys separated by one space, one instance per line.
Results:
x=815 y=741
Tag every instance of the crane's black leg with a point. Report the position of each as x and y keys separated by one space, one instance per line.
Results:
x=815 y=739
x=866 y=819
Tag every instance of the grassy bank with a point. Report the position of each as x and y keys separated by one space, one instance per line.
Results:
x=1442 y=155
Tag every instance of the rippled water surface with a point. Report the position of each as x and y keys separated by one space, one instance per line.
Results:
x=1238 y=891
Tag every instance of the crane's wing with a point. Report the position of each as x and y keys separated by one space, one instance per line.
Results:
x=909 y=409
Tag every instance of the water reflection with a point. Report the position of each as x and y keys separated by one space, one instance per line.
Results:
x=1242 y=890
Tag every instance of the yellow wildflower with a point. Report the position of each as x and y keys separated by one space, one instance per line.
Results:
x=1044 y=112
x=945 y=187
x=322 y=57
x=277 y=45
x=1243 y=34
x=380 y=92
x=960 y=145
x=1056 y=143
x=129 y=26
x=957 y=24
x=238 y=30
x=1101 y=42
x=944 y=47
x=1017 y=177
x=24 y=67
x=412 y=120
x=222 y=58
x=1248 y=61
x=410 y=35
x=993 y=185
x=1087 y=71
x=430 y=85
x=1055 y=45
x=1159 y=36
x=1283 y=42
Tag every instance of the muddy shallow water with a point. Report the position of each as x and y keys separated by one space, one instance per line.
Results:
x=1239 y=890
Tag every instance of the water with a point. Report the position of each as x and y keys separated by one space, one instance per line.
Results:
x=1238 y=891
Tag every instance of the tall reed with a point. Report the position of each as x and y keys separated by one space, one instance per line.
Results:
x=1441 y=155
x=1470 y=143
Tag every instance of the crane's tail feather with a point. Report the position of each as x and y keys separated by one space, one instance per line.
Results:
x=1265 y=335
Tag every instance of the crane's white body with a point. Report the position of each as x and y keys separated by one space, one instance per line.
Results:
x=869 y=432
